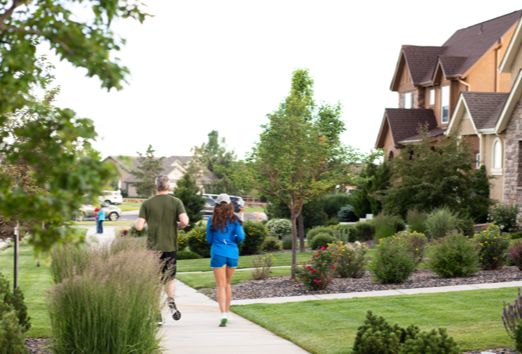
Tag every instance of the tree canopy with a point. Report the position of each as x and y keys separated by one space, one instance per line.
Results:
x=150 y=167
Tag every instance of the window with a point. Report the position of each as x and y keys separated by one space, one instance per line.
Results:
x=477 y=159
x=444 y=111
x=407 y=100
x=432 y=96
x=497 y=154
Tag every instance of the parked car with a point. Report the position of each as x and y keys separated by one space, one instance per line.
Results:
x=238 y=203
x=211 y=196
x=111 y=197
x=209 y=204
x=112 y=213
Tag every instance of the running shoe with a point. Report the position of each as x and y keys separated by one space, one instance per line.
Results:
x=176 y=315
x=224 y=320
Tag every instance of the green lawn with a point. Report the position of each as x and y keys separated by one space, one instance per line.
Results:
x=254 y=210
x=105 y=223
x=281 y=259
x=206 y=280
x=473 y=318
x=129 y=206
x=34 y=282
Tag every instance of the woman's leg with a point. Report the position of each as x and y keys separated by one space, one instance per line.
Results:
x=230 y=273
x=221 y=282
x=101 y=227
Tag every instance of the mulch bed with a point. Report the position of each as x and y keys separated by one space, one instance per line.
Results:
x=422 y=278
x=38 y=345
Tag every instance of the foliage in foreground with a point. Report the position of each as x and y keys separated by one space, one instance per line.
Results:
x=376 y=336
x=105 y=299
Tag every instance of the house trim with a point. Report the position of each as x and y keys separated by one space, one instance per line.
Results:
x=511 y=52
x=514 y=96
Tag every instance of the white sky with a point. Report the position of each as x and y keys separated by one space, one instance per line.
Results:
x=223 y=65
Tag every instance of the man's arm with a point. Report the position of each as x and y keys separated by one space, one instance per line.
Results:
x=140 y=223
x=183 y=220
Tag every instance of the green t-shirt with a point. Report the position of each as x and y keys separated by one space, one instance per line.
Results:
x=162 y=215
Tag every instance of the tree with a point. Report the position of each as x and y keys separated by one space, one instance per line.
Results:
x=374 y=178
x=53 y=143
x=427 y=177
x=190 y=195
x=296 y=160
x=150 y=167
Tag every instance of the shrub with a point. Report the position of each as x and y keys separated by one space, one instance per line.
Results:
x=136 y=233
x=434 y=342
x=417 y=244
x=454 y=256
x=122 y=279
x=185 y=254
x=347 y=214
x=332 y=222
x=318 y=230
x=365 y=230
x=183 y=240
x=351 y=260
x=15 y=302
x=317 y=274
x=346 y=233
x=417 y=221
x=505 y=216
x=493 y=247
x=197 y=241
x=271 y=245
x=392 y=262
x=465 y=225
x=279 y=227
x=11 y=334
x=255 y=235
x=333 y=203
x=262 y=266
x=440 y=222
x=516 y=235
x=515 y=254
x=321 y=240
x=124 y=232
x=387 y=225
x=287 y=242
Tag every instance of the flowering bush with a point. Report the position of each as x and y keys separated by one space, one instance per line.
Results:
x=183 y=240
x=317 y=274
x=454 y=256
x=255 y=235
x=512 y=318
x=465 y=226
x=351 y=260
x=392 y=263
x=279 y=227
x=417 y=244
x=197 y=241
x=271 y=245
x=515 y=254
x=505 y=216
x=493 y=247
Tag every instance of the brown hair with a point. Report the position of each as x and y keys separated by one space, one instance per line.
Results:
x=223 y=213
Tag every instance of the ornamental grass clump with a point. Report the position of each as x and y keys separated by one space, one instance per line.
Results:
x=351 y=260
x=392 y=262
x=318 y=273
x=417 y=243
x=417 y=221
x=387 y=225
x=440 y=222
x=108 y=304
x=493 y=247
x=454 y=256
x=262 y=266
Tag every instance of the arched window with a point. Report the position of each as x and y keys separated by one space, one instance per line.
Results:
x=497 y=154
x=390 y=156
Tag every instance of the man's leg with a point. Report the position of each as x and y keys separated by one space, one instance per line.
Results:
x=170 y=288
x=169 y=270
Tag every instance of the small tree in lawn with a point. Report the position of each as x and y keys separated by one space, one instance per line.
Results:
x=299 y=155
x=190 y=195
x=150 y=168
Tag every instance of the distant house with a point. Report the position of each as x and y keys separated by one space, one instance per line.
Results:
x=174 y=167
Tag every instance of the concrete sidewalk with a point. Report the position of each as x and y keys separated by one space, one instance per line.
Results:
x=198 y=332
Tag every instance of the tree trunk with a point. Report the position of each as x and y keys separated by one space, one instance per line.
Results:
x=301 y=232
x=294 y=242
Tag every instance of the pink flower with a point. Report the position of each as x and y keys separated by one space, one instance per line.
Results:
x=309 y=267
x=333 y=267
x=316 y=255
x=317 y=281
x=323 y=248
x=313 y=270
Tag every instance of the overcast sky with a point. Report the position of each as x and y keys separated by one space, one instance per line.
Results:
x=221 y=65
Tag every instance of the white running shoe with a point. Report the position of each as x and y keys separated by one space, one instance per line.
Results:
x=224 y=320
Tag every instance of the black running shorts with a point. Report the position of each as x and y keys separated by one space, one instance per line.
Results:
x=169 y=264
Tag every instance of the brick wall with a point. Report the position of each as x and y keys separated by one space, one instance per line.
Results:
x=513 y=159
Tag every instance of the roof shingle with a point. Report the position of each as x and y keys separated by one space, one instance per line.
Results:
x=485 y=107
x=405 y=123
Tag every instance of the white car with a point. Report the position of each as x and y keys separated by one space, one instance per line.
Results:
x=111 y=197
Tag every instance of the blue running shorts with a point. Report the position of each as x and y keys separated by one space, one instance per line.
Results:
x=220 y=262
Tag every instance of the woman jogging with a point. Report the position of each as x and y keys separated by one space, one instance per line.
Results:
x=224 y=232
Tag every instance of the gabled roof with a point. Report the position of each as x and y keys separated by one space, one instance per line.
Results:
x=483 y=108
x=417 y=137
x=514 y=97
x=404 y=123
x=457 y=55
x=512 y=50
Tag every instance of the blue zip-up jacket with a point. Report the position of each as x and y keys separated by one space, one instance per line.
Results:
x=225 y=243
x=101 y=215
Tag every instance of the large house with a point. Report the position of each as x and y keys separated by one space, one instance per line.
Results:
x=173 y=166
x=456 y=86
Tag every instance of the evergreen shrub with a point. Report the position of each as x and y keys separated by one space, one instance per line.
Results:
x=186 y=254
x=287 y=242
x=271 y=245
x=347 y=214
x=318 y=230
x=321 y=240
x=433 y=342
x=416 y=221
x=279 y=227
x=440 y=222
x=11 y=335
x=493 y=247
x=332 y=203
x=505 y=216
x=351 y=260
x=454 y=256
x=365 y=230
x=255 y=235
x=392 y=262
x=197 y=241
x=10 y=301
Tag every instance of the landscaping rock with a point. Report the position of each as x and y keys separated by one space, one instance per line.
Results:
x=38 y=345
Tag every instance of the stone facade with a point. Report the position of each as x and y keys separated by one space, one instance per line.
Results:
x=513 y=159
x=418 y=97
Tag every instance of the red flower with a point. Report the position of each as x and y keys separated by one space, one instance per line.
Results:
x=298 y=286
x=313 y=270
x=316 y=255
x=309 y=268
x=323 y=248
x=317 y=281
x=333 y=267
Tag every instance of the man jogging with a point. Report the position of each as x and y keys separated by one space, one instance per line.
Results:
x=164 y=215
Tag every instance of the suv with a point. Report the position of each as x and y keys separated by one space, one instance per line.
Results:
x=211 y=196
x=237 y=202
x=111 y=197
x=209 y=204
x=112 y=213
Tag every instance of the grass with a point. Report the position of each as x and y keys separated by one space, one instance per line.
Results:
x=105 y=223
x=281 y=259
x=254 y=210
x=206 y=280
x=129 y=206
x=473 y=318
